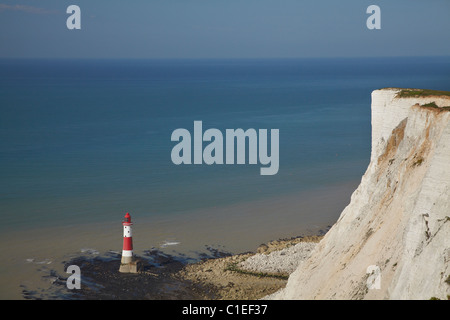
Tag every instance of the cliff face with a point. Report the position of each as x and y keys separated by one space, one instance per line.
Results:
x=398 y=220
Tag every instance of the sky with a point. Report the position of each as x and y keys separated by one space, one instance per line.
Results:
x=141 y=29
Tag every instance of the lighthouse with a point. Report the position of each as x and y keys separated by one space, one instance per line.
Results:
x=128 y=263
x=127 y=251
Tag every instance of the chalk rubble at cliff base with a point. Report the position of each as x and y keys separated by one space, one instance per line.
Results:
x=281 y=261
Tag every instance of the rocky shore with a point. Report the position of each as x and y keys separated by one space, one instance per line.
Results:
x=217 y=275
x=250 y=275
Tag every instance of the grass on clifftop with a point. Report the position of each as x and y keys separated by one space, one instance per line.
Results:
x=405 y=93
x=434 y=105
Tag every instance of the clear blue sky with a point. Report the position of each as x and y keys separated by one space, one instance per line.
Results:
x=223 y=29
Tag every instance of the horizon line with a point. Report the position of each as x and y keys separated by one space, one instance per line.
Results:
x=223 y=58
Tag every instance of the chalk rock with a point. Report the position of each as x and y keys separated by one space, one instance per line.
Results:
x=398 y=219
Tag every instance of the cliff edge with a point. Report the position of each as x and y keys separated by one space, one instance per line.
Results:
x=393 y=240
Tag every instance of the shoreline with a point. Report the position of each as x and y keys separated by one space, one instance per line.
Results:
x=33 y=254
x=216 y=276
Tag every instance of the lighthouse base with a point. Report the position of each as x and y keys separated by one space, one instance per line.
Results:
x=127 y=259
x=130 y=267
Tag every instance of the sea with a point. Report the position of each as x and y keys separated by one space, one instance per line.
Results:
x=82 y=142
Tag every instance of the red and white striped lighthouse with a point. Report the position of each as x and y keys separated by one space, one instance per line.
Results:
x=127 y=251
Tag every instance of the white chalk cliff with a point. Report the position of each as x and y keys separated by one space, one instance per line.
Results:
x=396 y=229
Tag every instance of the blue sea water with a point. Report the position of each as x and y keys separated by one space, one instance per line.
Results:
x=84 y=141
x=90 y=139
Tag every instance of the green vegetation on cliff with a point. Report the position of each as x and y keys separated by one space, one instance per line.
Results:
x=405 y=93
